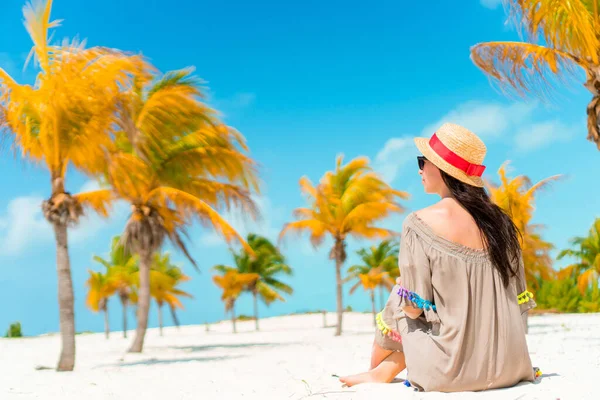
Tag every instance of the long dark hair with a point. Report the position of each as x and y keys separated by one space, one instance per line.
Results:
x=499 y=233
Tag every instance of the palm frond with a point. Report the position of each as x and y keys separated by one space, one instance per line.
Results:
x=525 y=67
x=97 y=200
x=190 y=206
x=565 y=25
x=316 y=228
x=182 y=78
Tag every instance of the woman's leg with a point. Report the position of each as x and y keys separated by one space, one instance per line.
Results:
x=385 y=372
x=378 y=354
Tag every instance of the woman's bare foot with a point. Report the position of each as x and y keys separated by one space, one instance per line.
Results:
x=385 y=372
x=365 y=377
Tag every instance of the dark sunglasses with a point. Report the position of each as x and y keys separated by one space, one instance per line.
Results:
x=421 y=160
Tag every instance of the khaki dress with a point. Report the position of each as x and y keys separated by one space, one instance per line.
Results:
x=471 y=334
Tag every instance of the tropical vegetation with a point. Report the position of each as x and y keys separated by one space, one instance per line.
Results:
x=269 y=264
x=347 y=202
x=379 y=269
x=120 y=270
x=14 y=331
x=562 y=40
x=100 y=289
x=516 y=196
x=232 y=284
x=65 y=118
x=153 y=142
x=165 y=281
x=586 y=252
x=174 y=163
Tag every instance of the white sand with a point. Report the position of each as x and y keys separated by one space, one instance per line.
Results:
x=292 y=357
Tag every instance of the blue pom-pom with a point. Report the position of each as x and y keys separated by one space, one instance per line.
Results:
x=407 y=383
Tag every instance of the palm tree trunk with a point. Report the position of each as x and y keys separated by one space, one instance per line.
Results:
x=143 y=304
x=65 y=299
x=255 y=295
x=373 y=304
x=160 y=320
x=381 y=304
x=124 y=301
x=593 y=109
x=340 y=310
x=106 y=322
x=233 y=318
x=174 y=316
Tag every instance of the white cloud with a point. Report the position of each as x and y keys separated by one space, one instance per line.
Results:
x=542 y=134
x=491 y=4
x=244 y=224
x=234 y=104
x=240 y=100
x=23 y=225
x=396 y=153
x=485 y=119
x=515 y=122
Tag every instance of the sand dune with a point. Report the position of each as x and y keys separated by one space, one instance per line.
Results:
x=293 y=357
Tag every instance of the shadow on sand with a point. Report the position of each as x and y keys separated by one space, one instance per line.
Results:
x=167 y=361
x=190 y=349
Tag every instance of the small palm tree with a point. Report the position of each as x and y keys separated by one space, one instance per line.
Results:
x=587 y=251
x=164 y=281
x=233 y=283
x=268 y=263
x=569 y=33
x=516 y=197
x=348 y=201
x=176 y=163
x=65 y=118
x=378 y=270
x=100 y=289
x=120 y=269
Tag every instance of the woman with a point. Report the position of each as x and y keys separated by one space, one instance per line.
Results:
x=455 y=318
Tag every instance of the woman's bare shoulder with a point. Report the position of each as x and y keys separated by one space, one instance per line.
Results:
x=435 y=214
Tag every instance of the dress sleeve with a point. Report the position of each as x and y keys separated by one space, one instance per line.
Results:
x=524 y=296
x=415 y=275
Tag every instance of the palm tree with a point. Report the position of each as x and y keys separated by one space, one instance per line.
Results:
x=100 y=290
x=175 y=163
x=347 y=202
x=379 y=269
x=233 y=283
x=65 y=118
x=120 y=269
x=516 y=197
x=587 y=251
x=570 y=35
x=164 y=279
x=268 y=263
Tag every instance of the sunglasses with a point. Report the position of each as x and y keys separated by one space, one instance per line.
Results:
x=421 y=160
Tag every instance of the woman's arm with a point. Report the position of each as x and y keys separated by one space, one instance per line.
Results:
x=410 y=311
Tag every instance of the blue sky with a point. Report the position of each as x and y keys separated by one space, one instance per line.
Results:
x=304 y=82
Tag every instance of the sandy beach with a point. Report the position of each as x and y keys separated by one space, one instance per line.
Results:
x=293 y=357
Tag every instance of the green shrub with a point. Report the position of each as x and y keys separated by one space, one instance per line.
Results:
x=591 y=300
x=14 y=330
x=564 y=296
x=560 y=295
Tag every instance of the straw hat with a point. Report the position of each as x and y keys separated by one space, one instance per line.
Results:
x=457 y=151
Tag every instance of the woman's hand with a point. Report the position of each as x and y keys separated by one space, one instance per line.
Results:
x=398 y=281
